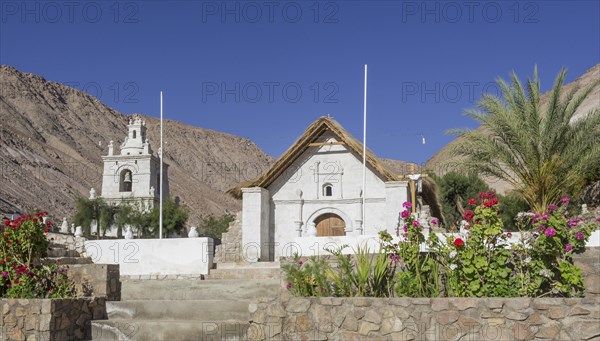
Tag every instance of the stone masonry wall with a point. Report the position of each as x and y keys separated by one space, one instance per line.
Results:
x=71 y=243
x=294 y=318
x=96 y=280
x=230 y=249
x=51 y=320
x=589 y=263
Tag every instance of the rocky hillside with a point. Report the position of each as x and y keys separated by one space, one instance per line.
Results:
x=52 y=139
x=437 y=161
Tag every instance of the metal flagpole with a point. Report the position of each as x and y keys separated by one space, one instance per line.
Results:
x=364 y=175
x=160 y=215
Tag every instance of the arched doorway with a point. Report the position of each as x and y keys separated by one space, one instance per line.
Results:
x=330 y=224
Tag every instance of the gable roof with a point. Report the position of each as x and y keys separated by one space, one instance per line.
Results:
x=317 y=128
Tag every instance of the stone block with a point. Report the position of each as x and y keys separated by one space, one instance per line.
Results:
x=298 y=305
x=364 y=327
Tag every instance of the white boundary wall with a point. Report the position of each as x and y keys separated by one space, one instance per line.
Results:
x=170 y=256
x=315 y=246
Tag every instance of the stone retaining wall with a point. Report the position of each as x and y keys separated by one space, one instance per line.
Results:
x=70 y=242
x=293 y=318
x=50 y=319
x=96 y=280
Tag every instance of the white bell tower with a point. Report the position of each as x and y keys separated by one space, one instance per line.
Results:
x=133 y=175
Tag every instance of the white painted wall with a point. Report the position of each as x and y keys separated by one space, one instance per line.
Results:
x=315 y=246
x=189 y=256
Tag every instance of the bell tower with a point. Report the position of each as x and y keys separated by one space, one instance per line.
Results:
x=133 y=174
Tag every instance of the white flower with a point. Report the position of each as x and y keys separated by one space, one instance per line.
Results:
x=453 y=254
x=528 y=260
x=453 y=266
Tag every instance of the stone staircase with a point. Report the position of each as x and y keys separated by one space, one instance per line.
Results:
x=261 y=270
x=215 y=307
x=66 y=249
x=182 y=309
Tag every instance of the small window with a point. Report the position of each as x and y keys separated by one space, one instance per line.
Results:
x=134 y=133
x=327 y=190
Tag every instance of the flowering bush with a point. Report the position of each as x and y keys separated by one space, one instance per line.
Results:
x=418 y=275
x=22 y=246
x=544 y=261
x=478 y=262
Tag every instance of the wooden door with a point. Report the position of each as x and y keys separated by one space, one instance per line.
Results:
x=330 y=224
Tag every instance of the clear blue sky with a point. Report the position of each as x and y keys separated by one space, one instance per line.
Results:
x=265 y=70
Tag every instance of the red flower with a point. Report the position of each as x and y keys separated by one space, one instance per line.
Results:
x=472 y=201
x=468 y=215
x=7 y=222
x=16 y=281
x=458 y=242
x=6 y=235
x=46 y=230
x=508 y=234
x=491 y=202
x=9 y=243
x=34 y=220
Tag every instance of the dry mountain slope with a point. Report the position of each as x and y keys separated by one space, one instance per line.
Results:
x=592 y=101
x=50 y=150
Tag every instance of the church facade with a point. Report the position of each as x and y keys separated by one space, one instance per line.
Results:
x=314 y=192
x=133 y=175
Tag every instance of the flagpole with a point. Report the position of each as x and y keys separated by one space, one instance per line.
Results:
x=364 y=175
x=160 y=215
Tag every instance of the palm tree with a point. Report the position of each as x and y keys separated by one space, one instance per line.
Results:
x=539 y=149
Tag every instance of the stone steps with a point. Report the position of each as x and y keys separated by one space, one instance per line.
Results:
x=204 y=310
x=67 y=260
x=183 y=289
x=183 y=309
x=260 y=270
x=56 y=251
x=180 y=330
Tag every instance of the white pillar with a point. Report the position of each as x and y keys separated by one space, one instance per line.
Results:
x=255 y=225
x=396 y=193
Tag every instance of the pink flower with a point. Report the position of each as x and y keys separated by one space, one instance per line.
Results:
x=405 y=214
x=552 y=207
x=550 y=232
x=544 y=216
x=565 y=200
x=568 y=247
x=415 y=223
x=406 y=204
x=579 y=235
x=434 y=221
x=472 y=201
x=300 y=262
x=395 y=259
x=288 y=285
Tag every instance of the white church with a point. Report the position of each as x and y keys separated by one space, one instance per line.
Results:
x=133 y=175
x=312 y=195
